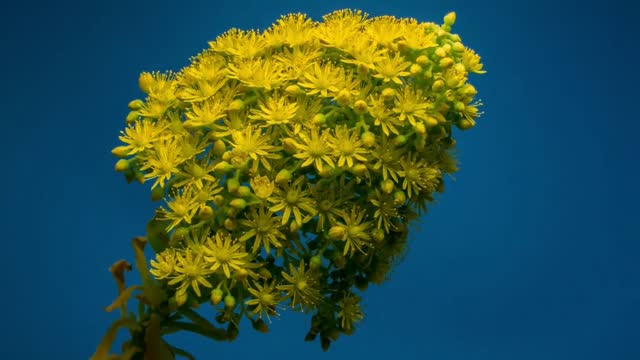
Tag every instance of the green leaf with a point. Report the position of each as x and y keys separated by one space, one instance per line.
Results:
x=157 y=234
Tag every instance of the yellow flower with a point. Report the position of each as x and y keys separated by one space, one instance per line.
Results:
x=302 y=287
x=292 y=200
x=264 y=227
x=224 y=254
x=191 y=272
x=418 y=175
x=321 y=79
x=243 y=44
x=262 y=186
x=181 y=208
x=296 y=61
x=411 y=104
x=293 y=30
x=314 y=149
x=256 y=73
x=140 y=136
x=163 y=266
x=252 y=144
x=265 y=299
x=347 y=147
x=354 y=232
x=385 y=30
x=350 y=311
x=163 y=159
x=392 y=68
x=205 y=113
x=340 y=27
x=275 y=110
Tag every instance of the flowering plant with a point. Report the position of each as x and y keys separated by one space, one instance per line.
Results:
x=290 y=163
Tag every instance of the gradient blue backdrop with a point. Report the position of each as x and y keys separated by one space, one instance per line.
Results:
x=532 y=253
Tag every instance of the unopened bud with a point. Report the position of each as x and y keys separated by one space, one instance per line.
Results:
x=359 y=170
x=216 y=296
x=319 y=119
x=466 y=124
x=236 y=105
x=440 y=52
x=122 y=165
x=422 y=60
x=157 y=193
x=415 y=69
x=218 y=147
x=232 y=185
x=400 y=140
x=222 y=168
x=243 y=191
x=283 y=177
x=132 y=116
x=120 y=151
x=437 y=85
x=136 y=104
x=206 y=212
x=230 y=224
x=292 y=90
x=399 y=197
x=388 y=93
x=446 y=62
x=241 y=274
x=260 y=326
x=315 y=262
x=360 y=107
x=145 y=81
x=337 y=232
x=368 y=139
x=387 y=186
x=229 y=301
x=450 y=18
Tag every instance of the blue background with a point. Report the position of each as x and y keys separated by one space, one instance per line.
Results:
x=532 y=253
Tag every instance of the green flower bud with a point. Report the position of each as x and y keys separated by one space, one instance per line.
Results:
x=368 y=139
x=229 y=301
x=219 y=148
x=315 y=262
x=458 y=106
x=157 y=193
x=216 y=296
x=400 y=140
x=206 y=212
x=265 y=274
x=359 y=170
x=181 y=297
x=420 y=128
x=319 y=119
x=360 y=107
x=120 y=151
x=243 y=191
x=388 y=94
x=466 y=124
x=378 y=235
x=399 y=197
x=218 y=200
x=136 y=104
x=343 y=98
x=260 y=326
x=236 y=105
x=283 y=177
x=132 y=117
x=450 y=18
x=233 y=185
x=422 y=60
x=222 y=168
x=292 y=90
x=230 y=224
x=337 y=232
x=122 y=165
x=387 y=186
x=440 y=52
x=241 y=274
x=415 y=69
x=437 y=85
x=430 y=122
x=446 y=62
x=289 y=144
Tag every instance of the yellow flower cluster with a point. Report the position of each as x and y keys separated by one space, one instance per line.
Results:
x=292 y=161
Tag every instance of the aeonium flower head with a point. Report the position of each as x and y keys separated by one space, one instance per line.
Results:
x=294 y=161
